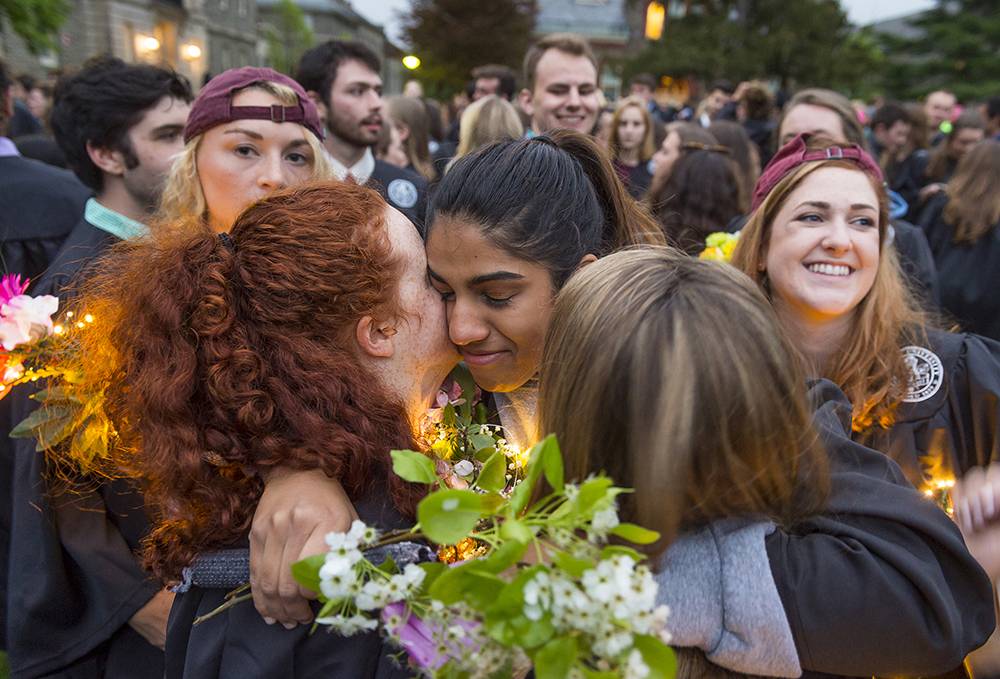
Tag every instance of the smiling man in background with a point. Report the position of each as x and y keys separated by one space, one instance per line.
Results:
x=560 y=77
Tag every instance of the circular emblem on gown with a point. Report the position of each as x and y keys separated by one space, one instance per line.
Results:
x=402 y=192
x=926 y=373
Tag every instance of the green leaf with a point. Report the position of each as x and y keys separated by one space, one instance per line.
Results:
x=448 y=516
x=552 y=462
x=595 y=674
x=432 y=571
x=512 y=529
x=90 y=440
x=524 y=490
x=591 y=492
x=448 y=416
x=635 y=534
x=493 y=475
x=480 y=441
x=49 y=425
x=658 y=657
x=504 y=619
x=503 y=557
x=306 y=571
x=462 y=375
x=554 y=659
x=621 y=550
x=414 y=467
x=572 y=565
x=483 y=454
x=468 y=583
x=388 y=566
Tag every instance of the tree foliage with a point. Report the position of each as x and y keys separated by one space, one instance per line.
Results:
x=35 y=21
x=956 y=47
x=806 y=42
x=288 y=36
x=453 y=36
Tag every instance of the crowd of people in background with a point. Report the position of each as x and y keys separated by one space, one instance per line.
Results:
x=869 y=256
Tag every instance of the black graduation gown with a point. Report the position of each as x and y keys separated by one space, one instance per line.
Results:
x=238 y=644
x=404 y=190
x=40 y=206
x=969 y=272
x=914 y=601
x=69 y=610
x=949 y=421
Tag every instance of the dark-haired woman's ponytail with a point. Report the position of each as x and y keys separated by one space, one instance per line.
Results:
x=626 y=222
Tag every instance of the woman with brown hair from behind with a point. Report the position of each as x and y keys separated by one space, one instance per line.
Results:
x=672 y=376
x=306 y=338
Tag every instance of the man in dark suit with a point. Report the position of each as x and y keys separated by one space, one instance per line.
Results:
x=343 y=79
x=40 y=206
x=80 y=605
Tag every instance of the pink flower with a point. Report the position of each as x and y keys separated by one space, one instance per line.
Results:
x=420 y=640
x=11 y=286
x=446 y=473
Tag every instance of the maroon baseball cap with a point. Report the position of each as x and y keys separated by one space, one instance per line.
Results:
x=214 y=105
x=796 y=152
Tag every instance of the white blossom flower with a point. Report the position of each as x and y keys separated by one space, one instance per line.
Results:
x=635 y=666
x=604 y=520
x=337 y=585
x=464 y=468
x=348 y=626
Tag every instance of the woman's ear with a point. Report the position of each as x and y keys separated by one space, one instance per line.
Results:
x=375 y=337
x=404 y=132
x=588 y=258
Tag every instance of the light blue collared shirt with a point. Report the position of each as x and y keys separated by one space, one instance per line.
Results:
x=7 y=148
x=113 y=222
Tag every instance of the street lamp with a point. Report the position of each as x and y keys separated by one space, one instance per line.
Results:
x=190 y=52
x=655 y=17
x=411 y=61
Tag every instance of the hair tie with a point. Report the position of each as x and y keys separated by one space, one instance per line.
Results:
x=227 y=241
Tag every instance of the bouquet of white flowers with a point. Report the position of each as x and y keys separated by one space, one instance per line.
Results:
x=552 y=586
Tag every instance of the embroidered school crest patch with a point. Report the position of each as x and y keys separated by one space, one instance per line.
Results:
x=402 y=192
x=926 y=373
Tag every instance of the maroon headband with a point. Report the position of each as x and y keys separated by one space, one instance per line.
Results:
x=795 y=153
x=214 y=105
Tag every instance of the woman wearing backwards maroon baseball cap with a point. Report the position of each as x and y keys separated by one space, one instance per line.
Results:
x=816 y=244
x=251 y=131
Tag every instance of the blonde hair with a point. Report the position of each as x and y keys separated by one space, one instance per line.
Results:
x=869 y=367
x=485 y=121
x=973 y=207
x=647 y=147
x=666 y=372
x=411 y=112
x=184 y=201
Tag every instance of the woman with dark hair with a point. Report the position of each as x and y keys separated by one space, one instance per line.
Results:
x=308 y=338
x=744 y=153
x=963 y=228
x=506 y=228
x=940 y=164
x=701 y=194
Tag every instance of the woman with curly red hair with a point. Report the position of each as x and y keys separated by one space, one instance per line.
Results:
x=307 y=338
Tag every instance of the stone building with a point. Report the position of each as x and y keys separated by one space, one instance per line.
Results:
x=337 y=20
